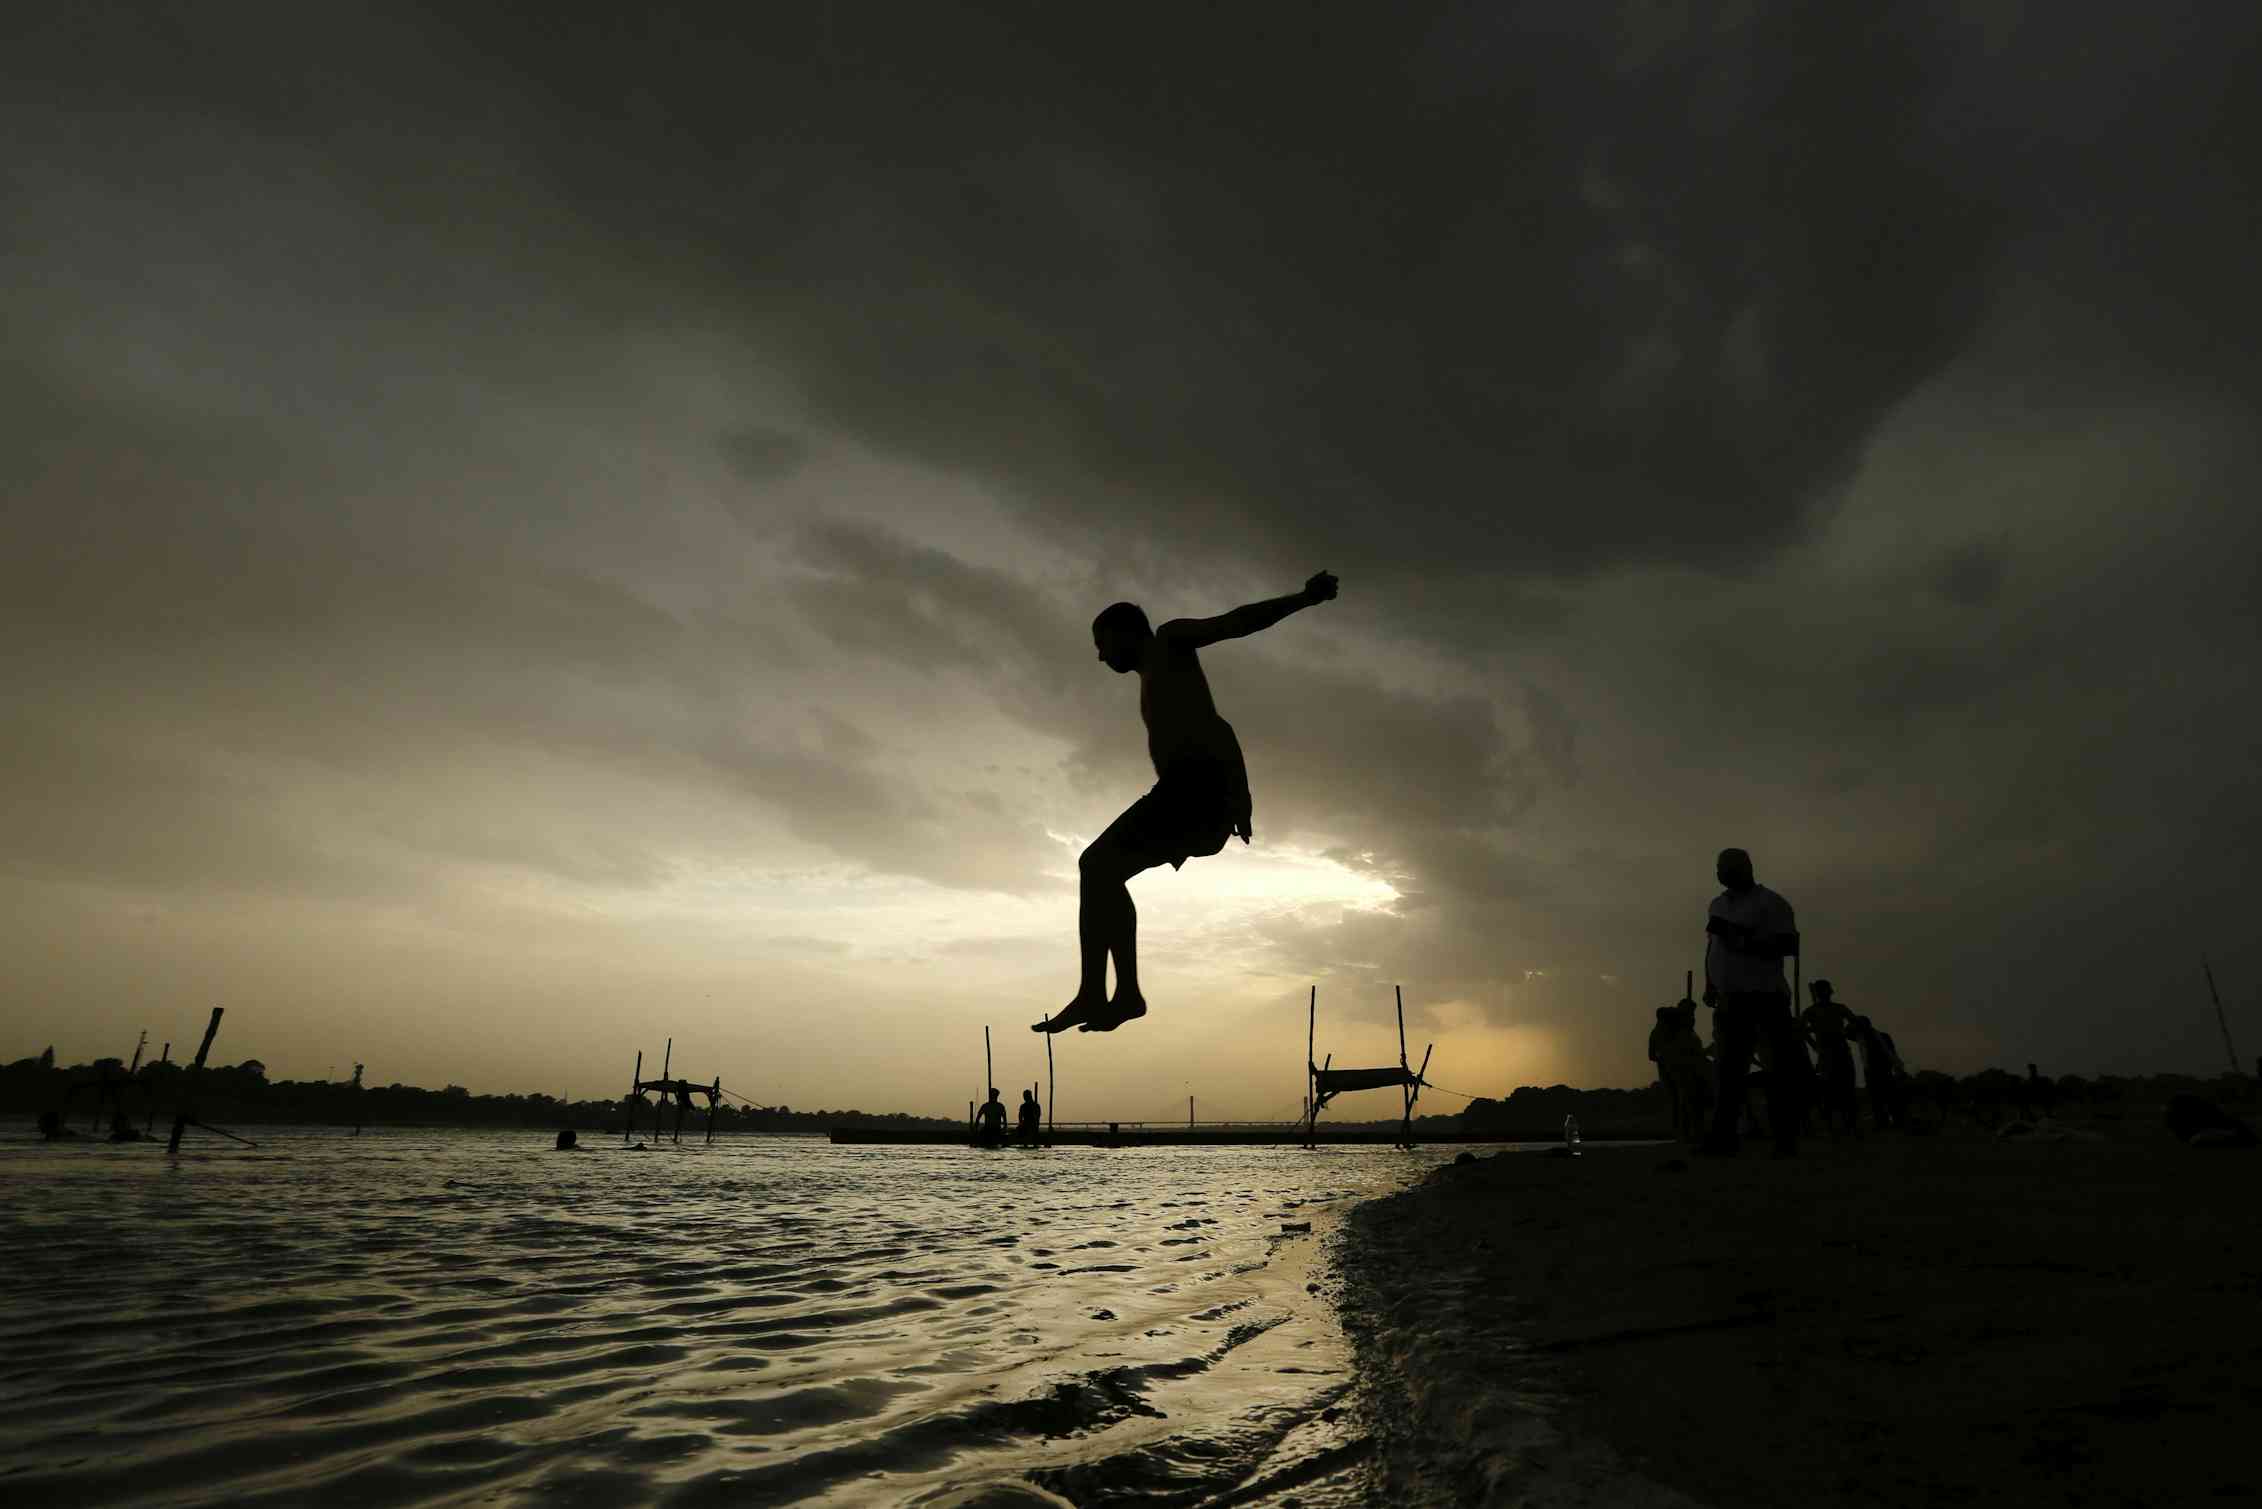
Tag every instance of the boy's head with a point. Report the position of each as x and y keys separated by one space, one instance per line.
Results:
x=1120 y=633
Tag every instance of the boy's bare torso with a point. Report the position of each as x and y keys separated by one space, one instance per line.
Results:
x=1183 y=726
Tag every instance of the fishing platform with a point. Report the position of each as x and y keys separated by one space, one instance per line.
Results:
x=679 y=1091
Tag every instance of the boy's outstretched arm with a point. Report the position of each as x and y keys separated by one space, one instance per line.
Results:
x=1197 y=632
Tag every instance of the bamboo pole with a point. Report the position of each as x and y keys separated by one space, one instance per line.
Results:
x=2220 y=1020
x=989 y=1079
x=1050 y=1091
x=1406 y=1107
x=628 y=1101
x=1414 y=1093
x=150 y=1125
x=182 y=1110
x=1311 y=1088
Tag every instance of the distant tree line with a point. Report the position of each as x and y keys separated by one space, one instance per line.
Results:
x=1533 y=1113
x=242 y=1093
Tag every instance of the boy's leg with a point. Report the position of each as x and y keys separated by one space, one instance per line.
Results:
x=1112 y=930
x=1108 y=924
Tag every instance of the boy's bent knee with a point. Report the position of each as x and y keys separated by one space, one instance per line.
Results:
x=1105 y=864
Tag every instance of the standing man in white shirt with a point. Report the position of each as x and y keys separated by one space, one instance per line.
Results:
x=1749 y=932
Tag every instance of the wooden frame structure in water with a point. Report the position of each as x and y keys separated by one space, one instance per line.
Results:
x=678 y=1090
x=1325 y=1082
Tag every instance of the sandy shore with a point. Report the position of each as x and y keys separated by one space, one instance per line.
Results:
x=1938 y=1320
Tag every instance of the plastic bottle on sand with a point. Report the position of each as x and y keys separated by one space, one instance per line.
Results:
x=1571 y=1135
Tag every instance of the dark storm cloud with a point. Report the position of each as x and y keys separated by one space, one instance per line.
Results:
x=1970 y=575
x=1261 y=275
x=763 y=455
x=869 y=589
x=835 y=793
x=1250 y=280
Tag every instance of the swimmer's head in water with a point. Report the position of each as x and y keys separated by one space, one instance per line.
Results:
x=1119 y=634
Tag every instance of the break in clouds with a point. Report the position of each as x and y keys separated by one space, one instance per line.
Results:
x=526 y=512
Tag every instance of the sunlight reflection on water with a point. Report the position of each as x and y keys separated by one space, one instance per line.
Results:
x=430 y=1316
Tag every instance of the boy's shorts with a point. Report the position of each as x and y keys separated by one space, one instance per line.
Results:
x=1189 y=813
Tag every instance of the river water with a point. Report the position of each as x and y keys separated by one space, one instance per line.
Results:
x=443 y=1317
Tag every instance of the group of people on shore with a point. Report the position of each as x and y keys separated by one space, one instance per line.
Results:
x=1759 y=1042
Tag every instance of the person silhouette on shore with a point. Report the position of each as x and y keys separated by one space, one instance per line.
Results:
x=1879 y=1061
x=1749 y=932
x=1683 y=1067
x=1826 y=1021
x=1200 y=797
x=2037 y=1096
x=989 y=1124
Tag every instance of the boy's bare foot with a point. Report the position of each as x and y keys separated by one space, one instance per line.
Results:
x=1075 y=1014
x=1114 y=1014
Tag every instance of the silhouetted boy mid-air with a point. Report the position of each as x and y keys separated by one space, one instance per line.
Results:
x=1199 y=799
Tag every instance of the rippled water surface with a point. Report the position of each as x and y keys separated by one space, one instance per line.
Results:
x=417 y=1317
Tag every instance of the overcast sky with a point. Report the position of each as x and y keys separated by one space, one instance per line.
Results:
x=528 y=535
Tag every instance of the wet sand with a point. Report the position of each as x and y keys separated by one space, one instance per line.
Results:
x=1948 y=1319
